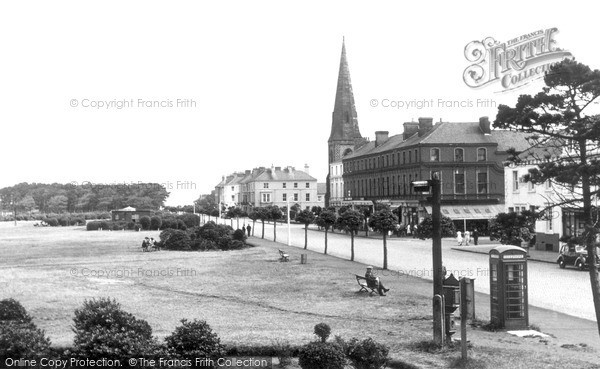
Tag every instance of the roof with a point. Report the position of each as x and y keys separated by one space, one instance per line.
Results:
x=449 y=133
x=129 y=208
x=543 y=150
x=286 y=174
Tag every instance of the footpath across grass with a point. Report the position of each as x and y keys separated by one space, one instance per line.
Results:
x=248 y=297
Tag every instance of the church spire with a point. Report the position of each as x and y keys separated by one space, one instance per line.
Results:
x=344 y=123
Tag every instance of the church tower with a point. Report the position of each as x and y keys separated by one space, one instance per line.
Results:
x=345 y=136
x=344 y=126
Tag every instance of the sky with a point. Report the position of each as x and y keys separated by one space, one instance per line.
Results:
x=182 y=93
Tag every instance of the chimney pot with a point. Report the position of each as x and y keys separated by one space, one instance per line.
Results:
x=381 y=137
x=410 y=128
x=484 y=124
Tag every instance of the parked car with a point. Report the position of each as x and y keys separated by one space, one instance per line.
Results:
x=575 y=255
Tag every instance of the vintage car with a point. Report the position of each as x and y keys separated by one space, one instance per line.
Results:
x=575 y=255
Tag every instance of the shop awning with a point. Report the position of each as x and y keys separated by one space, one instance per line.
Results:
x=469 y=211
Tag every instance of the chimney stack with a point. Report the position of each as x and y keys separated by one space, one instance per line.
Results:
x=410 y=128
x=425 y=125
x=484 y=124
x=381 y=137
x=306 y=169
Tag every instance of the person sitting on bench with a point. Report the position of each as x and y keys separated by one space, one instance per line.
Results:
x=374 y=281
x=145 y=244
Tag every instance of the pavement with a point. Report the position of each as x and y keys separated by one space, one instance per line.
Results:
x=564 y=329
x=534 y=255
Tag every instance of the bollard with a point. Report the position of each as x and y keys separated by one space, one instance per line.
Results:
x=303 y=258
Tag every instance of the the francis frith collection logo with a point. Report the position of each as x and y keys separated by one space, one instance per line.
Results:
x=513 y=63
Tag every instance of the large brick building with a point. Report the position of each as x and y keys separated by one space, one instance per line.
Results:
x=468 y=157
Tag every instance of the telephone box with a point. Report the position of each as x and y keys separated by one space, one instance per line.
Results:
x=508 y=287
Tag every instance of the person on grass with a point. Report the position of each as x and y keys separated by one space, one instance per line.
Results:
x=375 y=282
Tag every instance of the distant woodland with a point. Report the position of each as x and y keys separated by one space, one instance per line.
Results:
x=71 y=198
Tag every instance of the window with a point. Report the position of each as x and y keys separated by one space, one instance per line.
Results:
x=511 y=209
x=232 y=197
x=515 y=180
x=482 y=182
x=232 y=188
x=530 y=186
x=285 y=197
x=403 y=157
x=459 y=181
x=548 y=185
x=265 y=185
x=295 y=184
x=481 y=154
x=459 y=155
x=265 y=197
x=307 y=185
x=307 y=197
x=410 y=156
x=284 y=185
x=295 y=197
x=416 y=155
x=434 y=154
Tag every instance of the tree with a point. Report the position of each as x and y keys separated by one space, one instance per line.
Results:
x=253 y=215
x=235 y=212
x=262 y=214
x=568 y=136
x=425 y=229
x=305 y=217
x=27 y=203
x=513 y=228
x=366 y=211
x=350 y=221
x=325 y=219
x=58 y=204
x=384 y=221
x=274 y=213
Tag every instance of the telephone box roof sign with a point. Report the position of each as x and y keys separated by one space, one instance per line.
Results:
x=514 y=63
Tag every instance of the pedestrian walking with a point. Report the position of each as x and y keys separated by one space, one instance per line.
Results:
x=459 y=239
x=475 y=236
x=248 y=228
x=467 y=237
x=415 y=228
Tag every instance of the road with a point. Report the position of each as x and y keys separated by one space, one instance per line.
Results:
x=563 y=290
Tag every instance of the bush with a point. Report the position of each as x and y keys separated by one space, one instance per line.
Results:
x=366 y=354
x=322 y=331
x=19 y=337
x=131 y=225
x=11 y=309
x=181 y=225
x=317 y=355
x=175 y=239
x=103 y=330
x=195 y=339
x=93 y=225
x=63 y=222
x=190 y=220
x=145 y=222
x=239 y=235
x=22 y=340
x=155 y=223
x=104 y=225
x=52 y=222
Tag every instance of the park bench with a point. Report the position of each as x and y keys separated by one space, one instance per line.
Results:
x=364 y=286
x=283 y=256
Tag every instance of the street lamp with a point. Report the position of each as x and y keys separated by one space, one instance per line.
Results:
x=434 y=186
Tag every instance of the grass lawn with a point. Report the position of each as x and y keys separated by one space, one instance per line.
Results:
x=247 y=296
